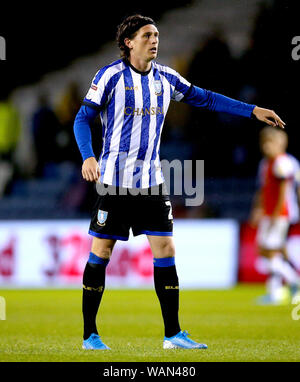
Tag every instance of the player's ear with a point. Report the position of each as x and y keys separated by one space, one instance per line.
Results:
x=128 y=42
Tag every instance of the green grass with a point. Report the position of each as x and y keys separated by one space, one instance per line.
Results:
x=46 y=325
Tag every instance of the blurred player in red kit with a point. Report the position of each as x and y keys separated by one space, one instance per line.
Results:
x=274 y=210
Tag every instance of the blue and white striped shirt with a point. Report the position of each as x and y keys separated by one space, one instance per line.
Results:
x=132 y=107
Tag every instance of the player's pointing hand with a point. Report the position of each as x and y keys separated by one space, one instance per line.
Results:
x=90 y=170
x=268 y=116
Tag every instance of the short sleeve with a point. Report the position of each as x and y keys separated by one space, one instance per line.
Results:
x=97 y=95
x=297 y=177
x=297 y=170
x=283 y=167
x=179 y=85
x=182 y=87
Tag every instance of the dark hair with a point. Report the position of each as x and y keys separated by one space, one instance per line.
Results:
x=128 y=29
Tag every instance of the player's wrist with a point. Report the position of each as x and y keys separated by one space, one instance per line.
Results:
x=89 y=158
x=274 y=216
x=254 y=112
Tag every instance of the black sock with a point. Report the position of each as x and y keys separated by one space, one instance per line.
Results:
x=93 y=288
x=167 y=290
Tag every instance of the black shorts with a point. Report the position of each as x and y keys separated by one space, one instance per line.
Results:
x=149 y=213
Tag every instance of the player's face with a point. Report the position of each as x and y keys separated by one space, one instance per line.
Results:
x=272 y=146
x=144 y=45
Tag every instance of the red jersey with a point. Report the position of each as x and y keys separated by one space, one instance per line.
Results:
x=272 y=172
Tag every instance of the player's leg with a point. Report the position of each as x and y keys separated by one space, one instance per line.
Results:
x=269 y=240
x=292 y=271
x=154 y=218
x=93 y=289
x=167 y=290
x=107 y=225
x=166 y=281
x=274 y=247
x=287 y=270
x=274 y=280
x=280 y=267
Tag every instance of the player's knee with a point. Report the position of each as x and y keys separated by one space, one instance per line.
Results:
x=102 y=248
x=104 y=253
x=167 y=250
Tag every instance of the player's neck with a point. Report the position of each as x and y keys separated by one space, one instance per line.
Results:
x=275 y=155
x=139 y=64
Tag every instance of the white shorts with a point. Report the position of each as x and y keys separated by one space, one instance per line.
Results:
x=273 y=237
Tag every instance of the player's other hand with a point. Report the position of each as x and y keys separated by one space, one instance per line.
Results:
x=90 y=170
x=255 y=217
x=268 y=116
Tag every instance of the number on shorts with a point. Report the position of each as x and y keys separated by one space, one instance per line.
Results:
x=170 y=216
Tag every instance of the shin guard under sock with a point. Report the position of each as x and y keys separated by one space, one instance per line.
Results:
x=93 y=288
x=167 y=290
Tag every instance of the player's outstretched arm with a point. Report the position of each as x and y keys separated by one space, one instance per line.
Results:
x=212 y=101
x=268 y=116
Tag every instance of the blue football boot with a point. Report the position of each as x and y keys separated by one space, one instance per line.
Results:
x=94 y=342
x=181 y=341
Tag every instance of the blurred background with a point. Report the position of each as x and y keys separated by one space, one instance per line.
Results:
x=240 y=48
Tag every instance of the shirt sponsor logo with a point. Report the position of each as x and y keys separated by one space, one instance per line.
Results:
x=131 y=88
x=143 y=111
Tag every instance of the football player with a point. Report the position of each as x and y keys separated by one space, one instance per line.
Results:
x=132 y=96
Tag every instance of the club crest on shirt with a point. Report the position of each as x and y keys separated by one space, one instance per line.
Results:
x=157 y=87
x=101 y=217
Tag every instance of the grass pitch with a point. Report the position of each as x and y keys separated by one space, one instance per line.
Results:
x=46 y=325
